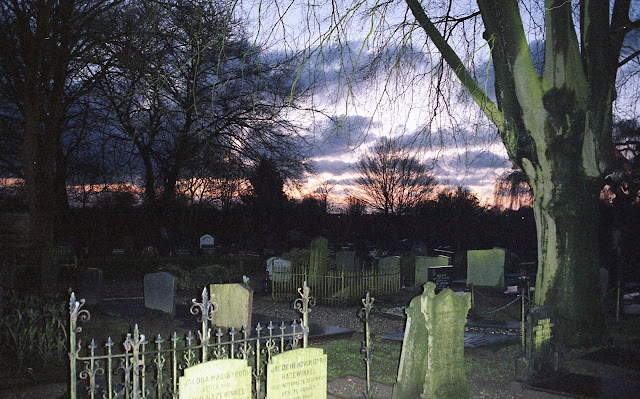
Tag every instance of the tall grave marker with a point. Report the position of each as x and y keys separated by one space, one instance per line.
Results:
x=432 y=358
x=318 y=260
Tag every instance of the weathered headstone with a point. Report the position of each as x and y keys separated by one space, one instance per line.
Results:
x=485 y=268
x=542 y=346
x=432 y=358
x=160 y=292
x=297 y=374
x=389 y=265
x=89 y=285
x=279 y=269
x=235 y=303
x=423 y=263
x=225 y=378
x=347 y=261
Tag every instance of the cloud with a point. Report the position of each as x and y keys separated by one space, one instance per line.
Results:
x=335 y=168
x=478 y=160
x=340 y=135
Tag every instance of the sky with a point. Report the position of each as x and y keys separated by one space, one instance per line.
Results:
x=360 y=104
x=373 y=77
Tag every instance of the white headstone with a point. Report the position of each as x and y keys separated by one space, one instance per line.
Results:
x=206 y=241
x=279 y=269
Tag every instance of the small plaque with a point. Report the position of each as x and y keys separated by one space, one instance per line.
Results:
x=298 y=374
x=225 y=378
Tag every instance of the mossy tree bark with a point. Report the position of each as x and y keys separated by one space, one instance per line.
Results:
x=557 y=128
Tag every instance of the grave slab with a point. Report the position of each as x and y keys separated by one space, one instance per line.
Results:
x=569 y=385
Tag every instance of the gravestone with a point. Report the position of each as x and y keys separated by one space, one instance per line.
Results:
x=297 y=374
x=89 y=285
x=235 y=303
x=279 y=269
x=347 y=261
x=485 y=268
x=160 y=292
x=542 y=347
x=225 y=378
x=423 y=263
x=206 y=241
x=441 y=276
x=389 y=265
x=432 y=357
x=207 y=244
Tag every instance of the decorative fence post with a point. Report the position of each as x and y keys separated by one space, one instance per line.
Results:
x=302 y=305
x=128 y=379
x=364 y=314
x=207 y=308
x=74 y=347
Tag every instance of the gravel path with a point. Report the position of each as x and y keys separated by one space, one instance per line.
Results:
x=345 y=317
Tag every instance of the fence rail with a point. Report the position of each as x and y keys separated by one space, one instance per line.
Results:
x=150 y=370
x=335 y=287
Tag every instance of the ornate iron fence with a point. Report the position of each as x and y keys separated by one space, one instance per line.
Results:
x=150 y=370
x=335 y=287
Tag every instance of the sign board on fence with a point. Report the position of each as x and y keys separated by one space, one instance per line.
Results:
x=297 y=374
x=225 y=378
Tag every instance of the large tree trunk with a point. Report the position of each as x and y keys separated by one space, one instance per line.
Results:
x=557 y=128
x=38 y=165
x=567 y=220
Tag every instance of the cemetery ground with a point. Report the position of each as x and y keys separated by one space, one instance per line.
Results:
x=489 y=368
